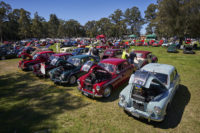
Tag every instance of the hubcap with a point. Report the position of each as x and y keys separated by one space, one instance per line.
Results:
x=107 y=92
x=72 y=79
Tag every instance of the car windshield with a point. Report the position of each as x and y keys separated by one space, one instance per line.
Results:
x=162 y=77
x=74 y=61
x=139 y=55
x=108 y=52
x=35 y=56
x=108 y=67
x=54 y=59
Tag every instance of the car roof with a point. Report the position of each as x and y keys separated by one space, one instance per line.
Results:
x=43 y=52
x=159 y=68
x=113 y=61
x=81 y=56
x=62 y=54
x=140 y=51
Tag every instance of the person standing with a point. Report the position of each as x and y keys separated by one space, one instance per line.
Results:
x=132 y=56
x=125 y=54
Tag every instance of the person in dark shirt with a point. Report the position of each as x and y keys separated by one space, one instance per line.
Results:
x=132 y=56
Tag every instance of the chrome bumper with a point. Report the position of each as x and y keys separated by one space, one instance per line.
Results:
x=89 y=94
x=136 y=113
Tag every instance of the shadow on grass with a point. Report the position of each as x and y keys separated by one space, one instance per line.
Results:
x=175 y=110
x=28 y=106
x=115 y=94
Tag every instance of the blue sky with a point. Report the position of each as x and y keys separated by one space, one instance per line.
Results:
x=80 y=10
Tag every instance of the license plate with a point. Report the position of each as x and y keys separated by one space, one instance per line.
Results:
x=135 y=114
x=42 y=69
x=85 y=94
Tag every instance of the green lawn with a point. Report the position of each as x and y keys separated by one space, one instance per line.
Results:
x=31 y=104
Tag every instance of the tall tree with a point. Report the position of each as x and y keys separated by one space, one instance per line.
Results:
x=5 y=9
x=24 y=24
x=178 y=18
x=61 y=29
x=91 y=28
x=37 y=26
x=117 y=16
x=150 y=16
x=53 y=26
x=134 y=19
x=73 y=28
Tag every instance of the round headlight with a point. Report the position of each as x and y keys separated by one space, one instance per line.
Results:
x=157 y=110
x=78 y=82
x=63 y=76
x=122 y=97
x=98 y=88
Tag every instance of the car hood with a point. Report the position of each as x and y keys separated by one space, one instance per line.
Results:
x=91 y=66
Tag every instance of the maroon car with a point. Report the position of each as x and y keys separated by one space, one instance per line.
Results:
x=104 y=77
x=144 y=57
x=111 y=53
x=54 y=61
x=37 y=58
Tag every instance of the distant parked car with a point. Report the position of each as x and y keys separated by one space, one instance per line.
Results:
x=110 y=53
x=7 y=53
x=188 y=50
x=37 y=58
x=66 y=44
x=67 y=50
x=70 y=70
x=150 y=91
x=102 y=47
x=54 y=61
x=172 y=49
x=144 y=57
x=80 y=51
x=105 y=77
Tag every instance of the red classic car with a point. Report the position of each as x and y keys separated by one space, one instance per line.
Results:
x=37 y=58
x=156 y=44
x=110 y=53
x=139 y=43
x=55 y=60
x=102 y=47
x=144 y=57
x=104 y=77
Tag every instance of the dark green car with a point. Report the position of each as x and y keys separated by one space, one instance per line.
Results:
x=172 y=49
x=70 y=70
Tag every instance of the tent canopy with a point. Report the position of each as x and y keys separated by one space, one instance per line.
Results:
x=134 y=36
x=151 y=36
x=101 y=36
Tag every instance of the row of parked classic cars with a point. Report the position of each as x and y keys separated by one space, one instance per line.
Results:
x=151 y=86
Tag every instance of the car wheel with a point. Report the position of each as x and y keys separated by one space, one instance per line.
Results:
x=72 y=80
x=107 y=91
x=30 y=67
x=3 y=58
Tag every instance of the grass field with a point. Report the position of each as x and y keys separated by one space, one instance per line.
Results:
x=31 y=104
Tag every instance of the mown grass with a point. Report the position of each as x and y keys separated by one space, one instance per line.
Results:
x=31 y=104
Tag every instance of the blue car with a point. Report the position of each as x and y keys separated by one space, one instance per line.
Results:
x=80 y=51
x=150 y=91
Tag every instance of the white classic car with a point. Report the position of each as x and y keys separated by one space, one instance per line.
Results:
x=150 y=90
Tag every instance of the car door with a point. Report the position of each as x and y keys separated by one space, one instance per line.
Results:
x=128 y=70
